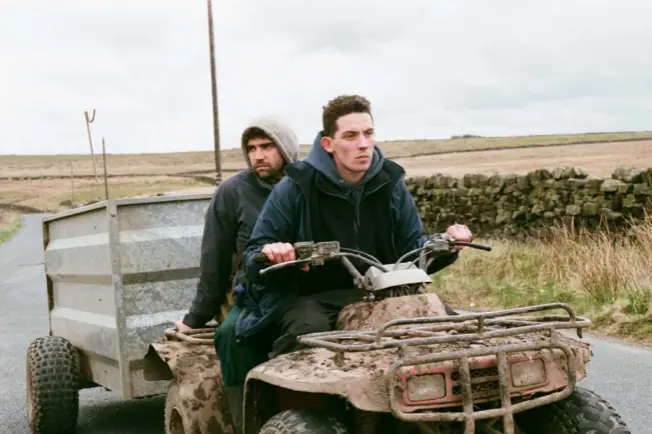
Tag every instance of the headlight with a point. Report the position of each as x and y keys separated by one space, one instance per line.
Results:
x=528 y=373
x=426 y=387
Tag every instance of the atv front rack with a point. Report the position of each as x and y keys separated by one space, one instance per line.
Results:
x=449 y=329
x=457 y=329
x=469 y=414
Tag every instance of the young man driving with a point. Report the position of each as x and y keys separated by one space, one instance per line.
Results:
x=344 y=190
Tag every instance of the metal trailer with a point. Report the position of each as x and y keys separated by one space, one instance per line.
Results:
x=118 y=274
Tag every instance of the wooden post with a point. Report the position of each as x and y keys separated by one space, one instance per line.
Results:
x=72 y=186
x=90 y=141
x=106 y=181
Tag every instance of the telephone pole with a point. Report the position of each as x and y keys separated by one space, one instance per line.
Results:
x=216 y=123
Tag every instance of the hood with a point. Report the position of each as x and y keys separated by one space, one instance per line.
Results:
x=284 y=137
x=323 y=162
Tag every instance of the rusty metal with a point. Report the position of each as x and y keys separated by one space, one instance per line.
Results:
x=329 y=339
x=478 y=327
x=365 y=379
x=468 y=416
x=203 y=336
x=216 y=123
x=481 y=316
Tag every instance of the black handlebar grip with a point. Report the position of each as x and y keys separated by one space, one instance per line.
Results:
x=260 y=258
x=473 y=246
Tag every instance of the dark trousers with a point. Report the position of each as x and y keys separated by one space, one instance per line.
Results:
x=311 y=314
x=238 y=358
x=308 y=314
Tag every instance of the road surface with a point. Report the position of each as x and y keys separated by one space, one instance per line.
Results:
x=619 y=372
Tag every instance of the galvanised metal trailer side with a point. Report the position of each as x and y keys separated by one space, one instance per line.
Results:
x=118 y=274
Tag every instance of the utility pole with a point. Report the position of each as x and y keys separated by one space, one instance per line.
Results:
x=216 y=124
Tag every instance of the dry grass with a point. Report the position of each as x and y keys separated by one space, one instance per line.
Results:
x=19 y=166
x=602 y=275
x=51 y=195
x=10 y=223
x=44 y=182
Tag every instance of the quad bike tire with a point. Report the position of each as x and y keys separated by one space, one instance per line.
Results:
x=303 y=421
x=583 y=411
x=52 y=385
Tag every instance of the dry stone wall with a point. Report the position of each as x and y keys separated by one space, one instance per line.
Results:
x=522 y=205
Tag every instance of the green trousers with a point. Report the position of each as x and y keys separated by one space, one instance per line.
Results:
x=238 y=358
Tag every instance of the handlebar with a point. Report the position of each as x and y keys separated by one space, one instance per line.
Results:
x=317 y=253
x=473 y=246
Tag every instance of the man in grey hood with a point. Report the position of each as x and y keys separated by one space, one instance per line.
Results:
x=268 y=146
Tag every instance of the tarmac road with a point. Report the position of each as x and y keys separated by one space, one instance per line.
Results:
x=619 y=372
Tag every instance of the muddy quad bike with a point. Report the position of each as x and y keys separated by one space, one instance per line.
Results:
x=397 y=362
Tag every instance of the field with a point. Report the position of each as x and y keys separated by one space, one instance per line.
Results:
x=52 y=182
x=601 y=276
x=615 y=291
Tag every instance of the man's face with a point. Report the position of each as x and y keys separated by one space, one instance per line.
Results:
x=265 y=157
x=352 y=145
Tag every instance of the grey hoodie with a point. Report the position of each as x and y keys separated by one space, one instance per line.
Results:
x=230 y=218
x=279 y=132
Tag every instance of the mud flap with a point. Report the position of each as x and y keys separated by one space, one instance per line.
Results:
x=195 y=371
x=155 y=368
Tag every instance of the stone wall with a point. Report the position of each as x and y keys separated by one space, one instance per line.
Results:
x=521 y=205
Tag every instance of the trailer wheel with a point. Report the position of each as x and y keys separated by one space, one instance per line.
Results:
x=303 y=421
x=52 y=385
x=583 y=411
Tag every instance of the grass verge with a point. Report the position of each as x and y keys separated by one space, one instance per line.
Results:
x=10 y=223
x=603 y=276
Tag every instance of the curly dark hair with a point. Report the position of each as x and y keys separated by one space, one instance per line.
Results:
x=342 y=106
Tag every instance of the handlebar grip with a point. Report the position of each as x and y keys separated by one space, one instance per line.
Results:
x=260 y=258
x=473 y=245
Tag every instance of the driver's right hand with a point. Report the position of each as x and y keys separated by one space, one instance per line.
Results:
x=279 y=252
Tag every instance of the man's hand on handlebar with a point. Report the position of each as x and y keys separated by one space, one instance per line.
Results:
x=460 y=233
x=281 y=252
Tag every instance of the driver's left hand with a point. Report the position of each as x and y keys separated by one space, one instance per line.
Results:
x=460 y=233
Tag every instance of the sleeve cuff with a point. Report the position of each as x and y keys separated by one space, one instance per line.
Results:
x=193 y=321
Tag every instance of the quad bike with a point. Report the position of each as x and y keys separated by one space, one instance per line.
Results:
x=398 y=362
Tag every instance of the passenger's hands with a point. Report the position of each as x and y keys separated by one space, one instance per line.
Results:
x=279 y=252
x=460 y=233
x=182 y=327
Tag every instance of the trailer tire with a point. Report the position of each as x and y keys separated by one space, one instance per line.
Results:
x=52 y=385
x=303 y=421
x=583 y=411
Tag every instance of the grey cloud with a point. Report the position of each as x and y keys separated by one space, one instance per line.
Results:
x=431 y=69
x=354 y=27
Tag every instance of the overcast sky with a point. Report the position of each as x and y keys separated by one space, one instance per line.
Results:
x=430 y=68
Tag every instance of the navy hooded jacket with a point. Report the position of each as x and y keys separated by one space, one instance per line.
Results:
x=313 y=203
